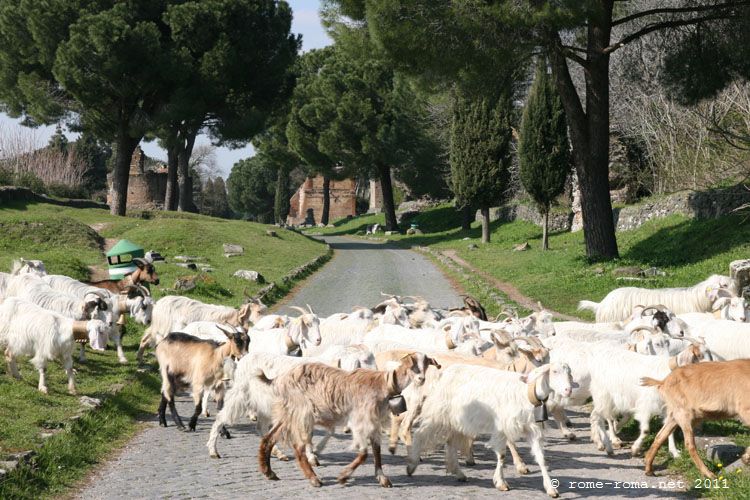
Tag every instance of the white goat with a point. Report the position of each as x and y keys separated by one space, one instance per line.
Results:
x=445 y=338
x=619 y=303
x=27 y=329
x=726 y=339
x=616 y=391
x=470 y=400
x=137 y=303
x=23 y=266
x=172 y=313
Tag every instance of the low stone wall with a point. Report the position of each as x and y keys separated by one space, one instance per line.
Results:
x=12 y=194
x=509 y=213
x=707 y=204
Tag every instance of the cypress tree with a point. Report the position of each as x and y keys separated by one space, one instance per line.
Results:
x=543 y=149
x=480 y=154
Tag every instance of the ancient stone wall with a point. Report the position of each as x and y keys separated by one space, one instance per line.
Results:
x=146 y=188
x=696 y=204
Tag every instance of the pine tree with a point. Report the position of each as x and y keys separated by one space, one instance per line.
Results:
x=543 y=149
x=480 y=154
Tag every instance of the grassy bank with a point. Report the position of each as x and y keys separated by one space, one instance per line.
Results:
x=64 y=239
x=687 y=250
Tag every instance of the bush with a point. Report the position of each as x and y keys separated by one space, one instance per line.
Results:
x=63 y=191
x=6 y=177
x=31 y=181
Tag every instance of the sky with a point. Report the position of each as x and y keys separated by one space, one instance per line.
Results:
x=306 y=22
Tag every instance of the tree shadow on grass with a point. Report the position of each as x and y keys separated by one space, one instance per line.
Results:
x=691 y=241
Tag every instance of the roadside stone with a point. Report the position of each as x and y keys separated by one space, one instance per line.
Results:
x=653 y=271
x=205 y=268
x=49 y=433
x=231 y=250
x=725 y=453
x=185 y=284
x=187 y=258
x=599 y=271
x=627 y=271
x=271 y=233
x=187 y=265
x=22 y=456
x=522 y=247
x=249 y=275
x=739 y=271
x=90 y=402
x=473 y=246
x=8 y=465
x=391 y=233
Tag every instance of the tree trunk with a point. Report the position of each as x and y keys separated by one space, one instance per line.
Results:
x=589 y=132
x=186 y=144
x=485 y=224
x=170 y=199
x=121 y=171
x=389 y=209
x=545 y=230
x=281 y=196
x=326 y=200
x=467 y=217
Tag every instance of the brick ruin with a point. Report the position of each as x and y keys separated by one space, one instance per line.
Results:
x=306 y=205
x=147 y=185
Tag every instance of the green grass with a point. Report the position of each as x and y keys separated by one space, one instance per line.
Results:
x=62 y=238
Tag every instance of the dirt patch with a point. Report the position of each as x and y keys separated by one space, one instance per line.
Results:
x=508 y=289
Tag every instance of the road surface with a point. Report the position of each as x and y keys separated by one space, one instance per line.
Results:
x=167 y=463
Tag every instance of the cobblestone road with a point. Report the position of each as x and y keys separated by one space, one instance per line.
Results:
x=167 y=463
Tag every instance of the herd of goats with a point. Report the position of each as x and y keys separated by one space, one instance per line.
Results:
x=432 y=376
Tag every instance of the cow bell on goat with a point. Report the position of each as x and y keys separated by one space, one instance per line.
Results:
x=397 y=404
x=540 y=413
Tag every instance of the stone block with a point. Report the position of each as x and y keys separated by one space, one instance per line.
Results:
x=249 y=275
x=739 y=271
x=231 y=250
x=724 y=453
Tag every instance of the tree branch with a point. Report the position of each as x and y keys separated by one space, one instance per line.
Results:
x=658 y=26
x=677 y=10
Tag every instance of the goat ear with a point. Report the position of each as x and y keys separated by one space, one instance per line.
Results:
x=538 y=372
x=720 y=303
x=433 y=362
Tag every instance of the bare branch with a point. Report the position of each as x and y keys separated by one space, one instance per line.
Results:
x=658 y=26
x=678 y=10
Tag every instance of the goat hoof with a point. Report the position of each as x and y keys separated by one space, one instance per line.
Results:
x=215 y=455
x=72 y=392
x=502 y=486
x=649 y=472
x=341 y=480
x=317 y=483
x=470 y=462
x=283 y=458
x=392 y=450
x=315 y=462
x=410 y=468
x=600 y=447
x=43 y=390
x=461 y=478
x=384 y=482
x=272 y=476
x=553 y=493
x=571 y=437
x=522 y=469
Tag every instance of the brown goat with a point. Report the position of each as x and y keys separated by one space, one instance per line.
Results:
x=187 y=360
x=146 y=273
x=313 y=394
x=697 y=392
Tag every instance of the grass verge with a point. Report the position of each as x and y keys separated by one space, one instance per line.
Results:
x=64 y=239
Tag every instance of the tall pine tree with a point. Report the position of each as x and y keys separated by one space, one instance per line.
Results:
x=480 y=154
x=543 y=149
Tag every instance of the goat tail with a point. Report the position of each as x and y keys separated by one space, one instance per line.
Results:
x=650 y=382
x=587 y=305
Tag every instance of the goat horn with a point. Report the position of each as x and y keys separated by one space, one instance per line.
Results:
x=310 y=309
x=144 y=291
x=297 y=308
x=643 y=327
x=140 y=261
x=502 y=313
x=225 y=330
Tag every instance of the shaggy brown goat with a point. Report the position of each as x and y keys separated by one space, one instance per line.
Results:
x=702 y=391
x=146 y=273
x=313 y=394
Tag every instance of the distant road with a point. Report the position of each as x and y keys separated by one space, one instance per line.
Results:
x=360 y=270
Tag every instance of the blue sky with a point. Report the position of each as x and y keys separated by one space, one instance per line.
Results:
x=306 y=21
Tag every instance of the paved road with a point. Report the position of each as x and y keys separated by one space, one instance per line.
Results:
x=166 y=463
x=360 y=270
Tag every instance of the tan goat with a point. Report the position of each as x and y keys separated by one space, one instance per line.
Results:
x=315 y=394
x=702 y=391
x=187 y=360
